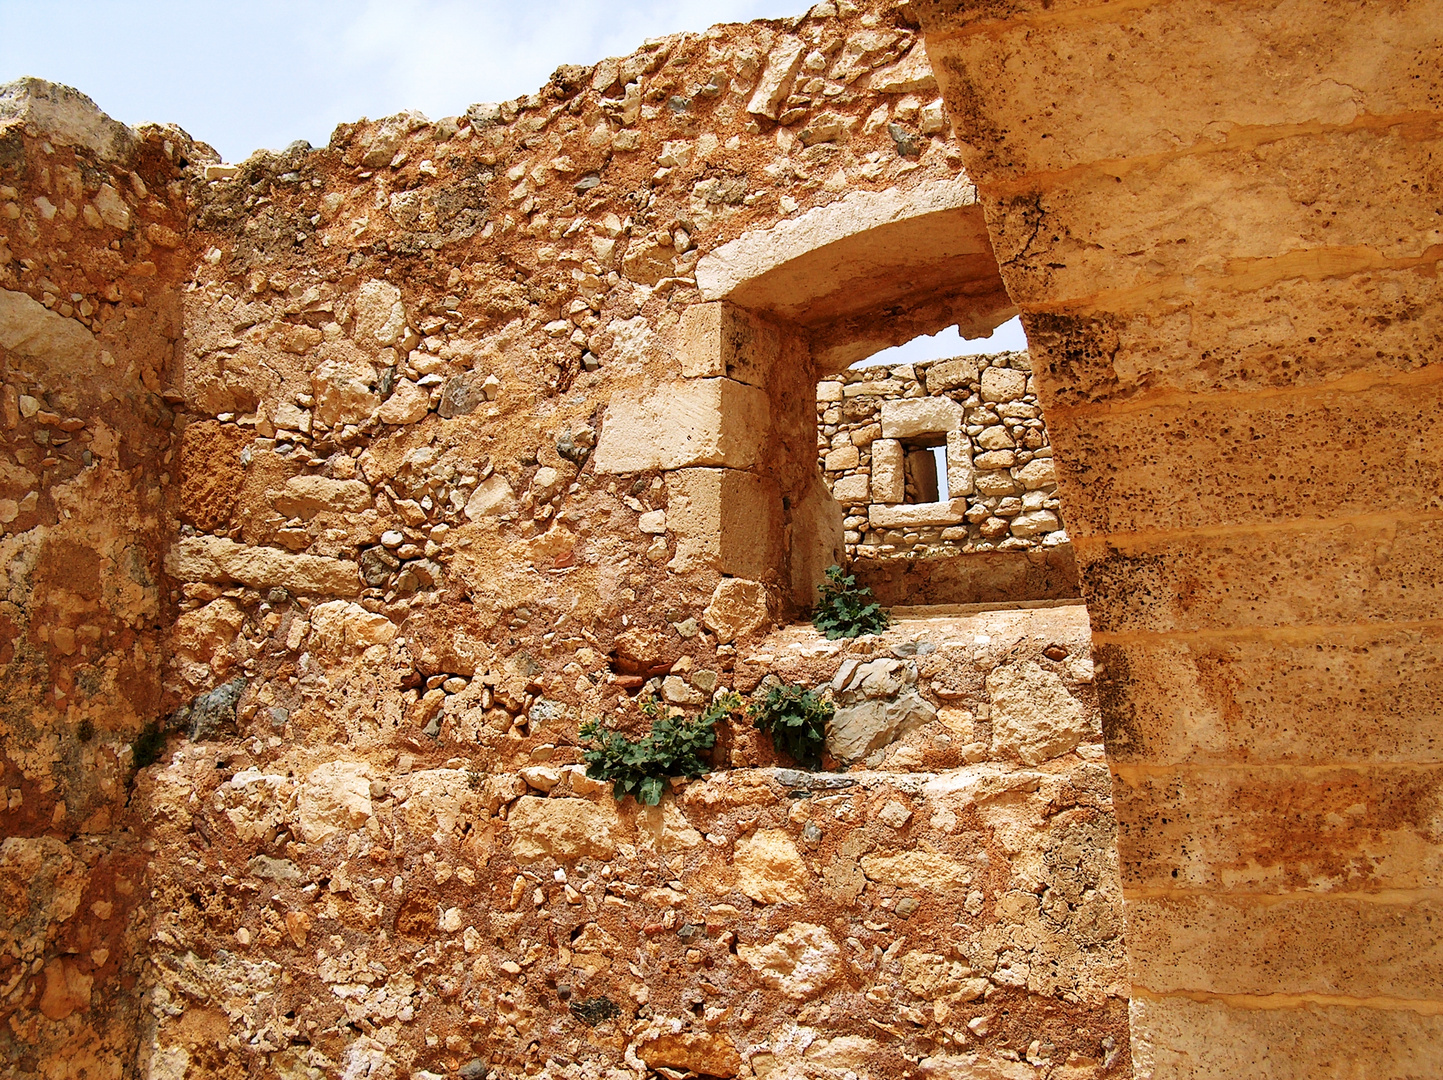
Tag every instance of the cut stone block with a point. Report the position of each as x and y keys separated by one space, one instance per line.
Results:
x=684 y=423
x=720 y=339
x=889 y=476
x=950 y=512
x=920 y=416
x=725 y=520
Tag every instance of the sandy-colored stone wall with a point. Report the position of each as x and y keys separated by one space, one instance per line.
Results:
x=1221 y=228
x=93 y=219
x=1002 y=492
x=393 y=461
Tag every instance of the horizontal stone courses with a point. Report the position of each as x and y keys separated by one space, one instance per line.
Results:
x=1296 y=632
x=1356 y=695
x=1342 y=386
x=1093 y=121
x=1285 y=1002
x=1350 y=828
x=1139 y=543
x=1362 y=570
x=1411 y=125
x=1039 y=15
x=1285 y=1037
x=1244 y=275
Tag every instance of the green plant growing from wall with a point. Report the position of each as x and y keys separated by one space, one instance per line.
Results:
x=846 y=610
x=674 y=746
x=796 y=718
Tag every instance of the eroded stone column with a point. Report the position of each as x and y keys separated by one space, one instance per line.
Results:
x=1224 y=236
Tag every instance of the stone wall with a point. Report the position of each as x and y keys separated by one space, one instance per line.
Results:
x=93 y=219
x=984 y=413
x=1222 y=233
x=347 y=482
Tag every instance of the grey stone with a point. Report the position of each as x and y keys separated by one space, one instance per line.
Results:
x=212 y=713
x=263 y=866
x=857 y=730
x=462 y=394
x=377 y=565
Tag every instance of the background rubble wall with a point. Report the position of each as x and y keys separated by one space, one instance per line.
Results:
x=428 y=447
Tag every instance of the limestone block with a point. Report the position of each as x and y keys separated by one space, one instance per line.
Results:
x=975 y=1067
x=995 y=482
x=917 y=870
x=1003 y=384
x=665 y=826
x=203 y=635
x=917 y=514
x=1035 y=523
x=1303 y=944
x=1214 y=456
x=829 y=391
x=951 y=374
x=738 y=609
x=344 y=393
x=1211 y=1040
x=782 y=64
x=1037 y=473
x=563 y=829
x=800 y=961
x=1034 y=717
x=770 y=869
x=216 y=559
x=961 y=473
x=911 y=417
x=856 y=730
x=492 y=497
x=910 y=75
x=996 y=437
x=708 y=1053
x=844 y=457
x=336 y=796
x=1174 y=583
x=721 y=339
x=1281 y=828
x=66 y=117
x=1359 y=696
x=816 y=539
x=407 y=404
x=853 y=490
x=339 y=627
x=684 y=423
x=844 y=1053
x=307 y=496
x=380 y=314
x=889 y=473
x=725 y=520
x=31 y=330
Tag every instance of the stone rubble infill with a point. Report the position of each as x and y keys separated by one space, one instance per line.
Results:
x=301 y=462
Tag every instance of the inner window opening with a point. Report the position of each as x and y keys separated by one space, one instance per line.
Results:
x=937 y=452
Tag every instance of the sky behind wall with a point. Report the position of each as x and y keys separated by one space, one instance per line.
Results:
x=259 y=74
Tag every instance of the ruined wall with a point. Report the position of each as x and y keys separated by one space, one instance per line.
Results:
x=999 y=478
x=999 y=538
x=92 y=253
x=401 y=457
x=1221 y=228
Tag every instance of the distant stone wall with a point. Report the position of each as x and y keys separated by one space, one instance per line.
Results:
x=999 y=477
